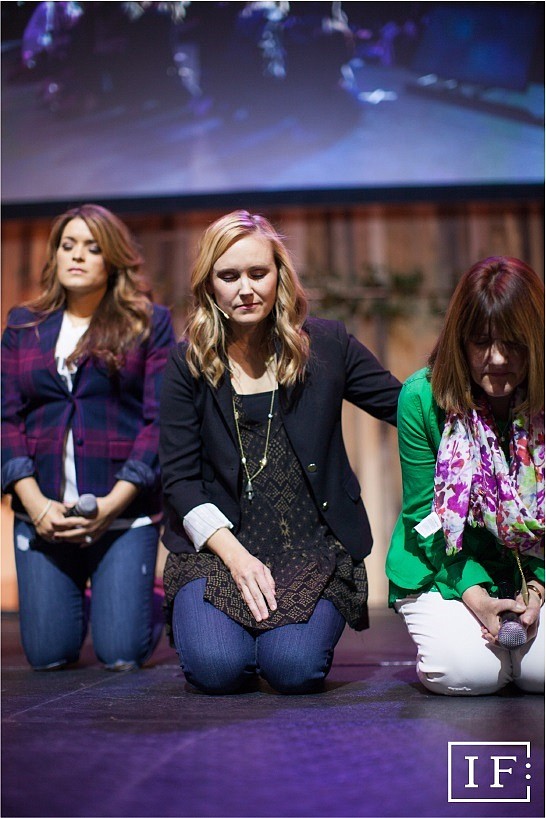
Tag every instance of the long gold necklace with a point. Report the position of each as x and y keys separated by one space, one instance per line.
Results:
x=249 y=490
x=524 y=590
x=503 y=428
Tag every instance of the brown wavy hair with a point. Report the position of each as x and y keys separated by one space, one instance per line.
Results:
x=498 y=294
x=124 y=314
x=208 y=334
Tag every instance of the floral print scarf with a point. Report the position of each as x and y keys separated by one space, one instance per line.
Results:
x=474 y=484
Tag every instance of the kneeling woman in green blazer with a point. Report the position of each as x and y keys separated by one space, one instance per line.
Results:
x=469 y=543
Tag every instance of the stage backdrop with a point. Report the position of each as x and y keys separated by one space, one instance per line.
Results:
x=393 y=143
x=386 y=270
x=189 y=100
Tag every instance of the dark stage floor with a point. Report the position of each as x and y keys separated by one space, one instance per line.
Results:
x=84 y=742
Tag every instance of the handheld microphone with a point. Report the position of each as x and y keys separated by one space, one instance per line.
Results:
x=86 y=506
x=512 y=634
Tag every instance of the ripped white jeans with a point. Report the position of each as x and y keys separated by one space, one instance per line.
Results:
x=453 y=658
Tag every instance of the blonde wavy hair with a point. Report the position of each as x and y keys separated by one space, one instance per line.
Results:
x=124 y=314
x=208 y=334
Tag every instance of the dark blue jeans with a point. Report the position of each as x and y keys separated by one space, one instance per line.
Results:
x=218 y=655
x=52 y=603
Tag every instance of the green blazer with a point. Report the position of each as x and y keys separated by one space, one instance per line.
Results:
x=416 y=563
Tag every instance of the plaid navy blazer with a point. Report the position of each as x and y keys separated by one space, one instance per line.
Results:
x=114 y=418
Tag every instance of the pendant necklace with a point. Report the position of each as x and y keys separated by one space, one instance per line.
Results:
x=249 y=490
x=502 y=430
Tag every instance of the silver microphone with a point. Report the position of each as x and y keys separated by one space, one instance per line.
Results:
x=512 y=634
x=86 y=506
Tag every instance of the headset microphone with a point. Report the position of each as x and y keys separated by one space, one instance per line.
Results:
x=221 y=310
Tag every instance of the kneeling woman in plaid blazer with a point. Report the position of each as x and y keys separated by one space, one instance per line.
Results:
x=82 y=366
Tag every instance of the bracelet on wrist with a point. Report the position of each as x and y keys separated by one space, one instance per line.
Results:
x=41 y=516
x=532 y=587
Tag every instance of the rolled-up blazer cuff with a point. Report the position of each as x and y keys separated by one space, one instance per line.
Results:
x=134 y=471
x=16 y=469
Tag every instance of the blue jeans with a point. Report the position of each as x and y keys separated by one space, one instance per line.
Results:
x=218 y=655
x=52 y=604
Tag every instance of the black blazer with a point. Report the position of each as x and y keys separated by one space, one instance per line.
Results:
x=198 y=450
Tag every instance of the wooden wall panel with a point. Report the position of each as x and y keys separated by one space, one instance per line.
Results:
x=335 y=249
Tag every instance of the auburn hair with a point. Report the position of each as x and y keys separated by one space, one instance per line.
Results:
x=500 y=295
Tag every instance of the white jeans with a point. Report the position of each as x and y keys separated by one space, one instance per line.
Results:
x=453 y=658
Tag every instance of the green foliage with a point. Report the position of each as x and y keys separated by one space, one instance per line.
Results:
x=378 y=291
